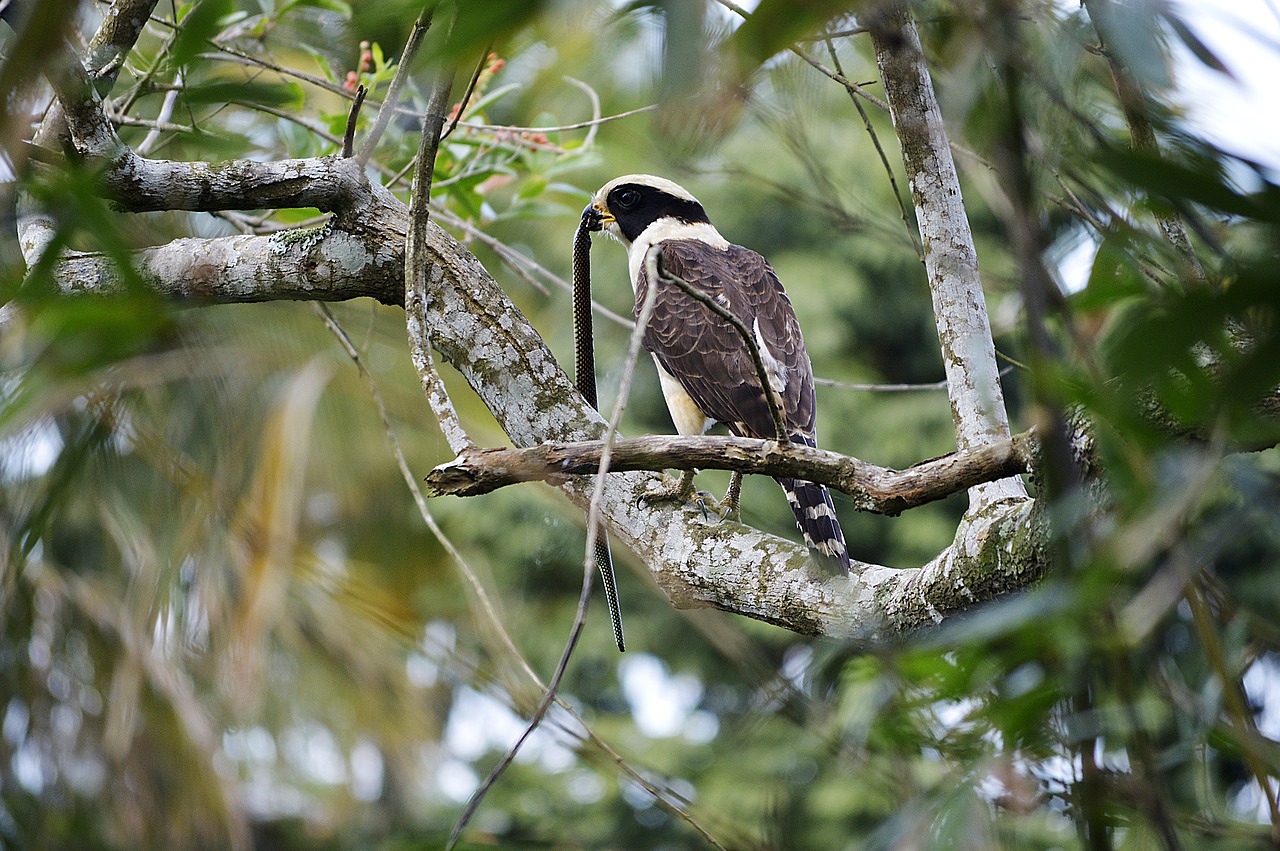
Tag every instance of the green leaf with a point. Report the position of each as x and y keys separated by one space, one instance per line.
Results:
x=490 y=97
x=1115 y=276
x=266 y=94
x=322 y=62
x=1176 y=184
x=197 y=27
x=776 y=24
x=338 y=6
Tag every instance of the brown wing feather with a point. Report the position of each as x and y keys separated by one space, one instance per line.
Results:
x=707 y=355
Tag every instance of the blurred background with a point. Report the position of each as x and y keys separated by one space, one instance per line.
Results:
x=227 y=623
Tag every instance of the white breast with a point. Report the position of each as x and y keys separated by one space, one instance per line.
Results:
x=687 y=417
x=664 y=229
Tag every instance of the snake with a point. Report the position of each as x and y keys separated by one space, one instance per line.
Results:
x=585 y=380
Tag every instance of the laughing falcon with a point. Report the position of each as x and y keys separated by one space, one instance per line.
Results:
x=706 y=370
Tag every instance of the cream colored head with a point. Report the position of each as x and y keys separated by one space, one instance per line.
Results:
x=626 y=206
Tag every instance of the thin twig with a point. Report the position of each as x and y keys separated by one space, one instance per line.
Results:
x=912 y=232
x=154 y=124
x=588 y=573
x=634 y=347
x=838 y=34
x=304 y=123
x=900 y=388
x=430 y=376
x=162 y=118
x=557 y=128
x=233 y=55
x=349 y=137
x=1133 y=104
x=850 y=86
x=1234 y=699
x=466 y=95
x=594 y=124
x=882 y=388
x=481 y=595
x=420 y=27
x=854 y=88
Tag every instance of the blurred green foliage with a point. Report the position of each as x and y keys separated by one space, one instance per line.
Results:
x=224 y=622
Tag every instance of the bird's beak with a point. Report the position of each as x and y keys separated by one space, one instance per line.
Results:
x=595 y=217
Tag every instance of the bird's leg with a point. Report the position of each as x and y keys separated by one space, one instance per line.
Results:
x=730 y=506
x=684 y=494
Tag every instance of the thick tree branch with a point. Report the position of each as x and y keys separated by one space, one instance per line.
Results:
x=951 y=261
x=332 y=184
x=464 y=314
x=320 y=264
x=880 y=490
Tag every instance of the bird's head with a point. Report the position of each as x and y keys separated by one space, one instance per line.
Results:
x=626 y=206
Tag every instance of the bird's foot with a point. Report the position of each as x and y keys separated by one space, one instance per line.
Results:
x=731 y=506
x=681 y=493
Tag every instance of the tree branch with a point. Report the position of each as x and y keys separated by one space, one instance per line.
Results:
x=417 y=262
x=879 y=490
x=331 y=184
x=116 y=35
x=950 y=259
x=319 y=264
x=465 y=315
x=139 y=185
x=469 y=319
x=387 y=110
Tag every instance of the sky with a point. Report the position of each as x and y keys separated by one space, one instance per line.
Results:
x=1234 y=111
x=1240 y=115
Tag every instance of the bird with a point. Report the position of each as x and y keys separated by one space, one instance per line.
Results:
x=705 y=368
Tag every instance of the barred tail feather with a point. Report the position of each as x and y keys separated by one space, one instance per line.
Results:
x=816 y=515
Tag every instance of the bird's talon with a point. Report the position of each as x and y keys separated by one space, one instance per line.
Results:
x=657 y=493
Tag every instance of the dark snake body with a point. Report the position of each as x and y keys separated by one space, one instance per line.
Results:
x=585 y=378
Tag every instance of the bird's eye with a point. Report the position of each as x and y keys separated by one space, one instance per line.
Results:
x=628 y=198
